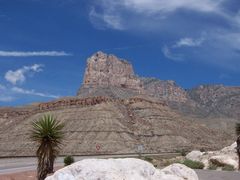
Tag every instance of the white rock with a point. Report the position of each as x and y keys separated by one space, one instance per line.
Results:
x=230 y=149
x=226 y=156
x=181 y=171
x=224 y=160
x=121 y=169
x=194 y=155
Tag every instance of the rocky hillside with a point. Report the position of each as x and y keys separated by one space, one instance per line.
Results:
x=115 y=110
x=216 y=105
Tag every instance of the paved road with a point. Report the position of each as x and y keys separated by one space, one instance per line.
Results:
x=218 y=175
x=13 y=165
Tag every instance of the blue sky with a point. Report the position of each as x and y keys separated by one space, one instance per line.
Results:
x=44 y=44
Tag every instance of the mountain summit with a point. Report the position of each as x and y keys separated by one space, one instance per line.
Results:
x=107 y=70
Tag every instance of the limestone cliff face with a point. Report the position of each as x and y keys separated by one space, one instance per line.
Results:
x=107 y=70
x=107 y=75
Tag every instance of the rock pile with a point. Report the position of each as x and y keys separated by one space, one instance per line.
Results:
x=226 y=156
x=119 y=169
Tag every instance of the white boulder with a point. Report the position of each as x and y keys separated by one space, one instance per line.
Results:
x=226 y=156
x=194 y=155
x=121 y=169
x=230 y=149
x=222 y=160
x=181 y=171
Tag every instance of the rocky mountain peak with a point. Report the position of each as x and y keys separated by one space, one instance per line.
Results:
x=107 y=70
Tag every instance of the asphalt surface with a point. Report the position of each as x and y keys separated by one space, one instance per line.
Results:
x=20 y=164
x=14 y=165
x=217 y=175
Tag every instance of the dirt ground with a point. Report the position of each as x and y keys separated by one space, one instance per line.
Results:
x=28 y=175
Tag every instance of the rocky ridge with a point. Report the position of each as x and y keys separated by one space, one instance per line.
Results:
x=105 y=77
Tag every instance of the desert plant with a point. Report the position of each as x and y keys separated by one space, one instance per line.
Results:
x=47 y=132
x=228 y=168
x=193 y=164
x=183 y=152
x=212 y=166
x=238 y=143
x=68 y=160
x=149 y=159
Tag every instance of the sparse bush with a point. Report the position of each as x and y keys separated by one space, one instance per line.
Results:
x=212 y=166
x=202 y=150
x=68 y=160
x=183 y=152
x=148 y=159
x=228 y=168
x=193 y=164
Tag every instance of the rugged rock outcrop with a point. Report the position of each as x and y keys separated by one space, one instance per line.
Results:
x=107 y=70
x=215 y=105
x=218 y=100
x=119 y=169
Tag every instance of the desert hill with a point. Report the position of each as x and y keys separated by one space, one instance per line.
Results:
x=117 y=110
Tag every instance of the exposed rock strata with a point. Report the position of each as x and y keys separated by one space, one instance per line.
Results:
x=117 y=110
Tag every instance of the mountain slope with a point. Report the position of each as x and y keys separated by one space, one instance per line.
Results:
x=116 y=110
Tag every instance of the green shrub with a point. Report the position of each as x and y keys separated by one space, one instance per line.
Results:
x=183 y=152
x=68 y=160
x=228 y=168
x=212 y=166
x=202 y=150
x=193 y=164
x=149 y=159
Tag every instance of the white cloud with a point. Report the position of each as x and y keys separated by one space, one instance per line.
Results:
x=168 y=54
x=108 y=20
x=6 y=98
x=32 y=53
x=2 y=87
x=32 y=92
x=113 y=13
x=189 y=42
x=19 y=75
x=156 y=6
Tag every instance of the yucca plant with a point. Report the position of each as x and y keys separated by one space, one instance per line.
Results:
x=238 y=143
x=47 y=132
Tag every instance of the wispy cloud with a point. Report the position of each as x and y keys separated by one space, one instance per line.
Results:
x=103 y=21
x=170 y=55
x=4 y=98
x=189 y=42
x=2 y=87
x=112 y=13
x=32 y=92
x=19 y=75
x=32 y=53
